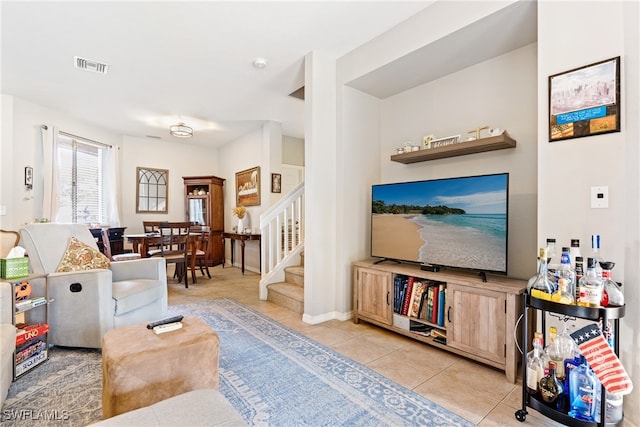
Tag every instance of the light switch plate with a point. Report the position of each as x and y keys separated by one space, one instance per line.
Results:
x=3 y=210
x=599 y=197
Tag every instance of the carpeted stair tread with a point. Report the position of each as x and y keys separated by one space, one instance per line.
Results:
x=287 y=295
x=294 y=275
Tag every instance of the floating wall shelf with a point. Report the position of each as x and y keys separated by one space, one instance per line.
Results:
x=481 y=145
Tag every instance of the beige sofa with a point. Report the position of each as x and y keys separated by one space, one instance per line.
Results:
x=7 y=339
x=205 y=407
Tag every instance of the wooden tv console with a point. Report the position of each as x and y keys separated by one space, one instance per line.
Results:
x=479 y=320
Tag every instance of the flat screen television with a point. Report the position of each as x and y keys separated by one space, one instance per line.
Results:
x=459 y=222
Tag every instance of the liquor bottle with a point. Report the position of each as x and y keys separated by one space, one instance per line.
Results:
x=575 y=252
x=561 y=347
x=590 y=286
x=595 y=253
x=562 y=295
x=579 y=273
x=583 y=386
x=566 y=273
x=612 y=295
x=550 y=386
x=553 y=257
x=535 y=365
x=539 y=285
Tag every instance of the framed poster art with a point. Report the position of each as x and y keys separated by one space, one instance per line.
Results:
x=276 y=183
x=248 y=187
x=585 y=101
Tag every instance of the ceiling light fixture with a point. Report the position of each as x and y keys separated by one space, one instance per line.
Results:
x=181 y=131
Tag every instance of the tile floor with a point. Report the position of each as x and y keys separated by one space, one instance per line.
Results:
x=478 y=393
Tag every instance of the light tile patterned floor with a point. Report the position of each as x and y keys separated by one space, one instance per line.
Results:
x=480 y=394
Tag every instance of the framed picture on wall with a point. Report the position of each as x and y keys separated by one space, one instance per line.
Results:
x=248 y=187
x=585 y=101
x=276 y=183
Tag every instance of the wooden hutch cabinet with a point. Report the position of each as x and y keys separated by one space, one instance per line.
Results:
x=204 y=206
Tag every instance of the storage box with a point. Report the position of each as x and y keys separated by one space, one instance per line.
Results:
x=12 y=268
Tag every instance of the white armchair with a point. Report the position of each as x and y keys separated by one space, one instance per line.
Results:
x=89 y=303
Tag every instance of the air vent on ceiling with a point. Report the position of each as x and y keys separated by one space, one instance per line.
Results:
x=90 y=65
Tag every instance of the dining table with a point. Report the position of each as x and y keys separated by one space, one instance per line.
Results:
x=142 y=241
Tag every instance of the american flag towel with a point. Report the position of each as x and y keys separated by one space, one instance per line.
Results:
x=603 y=360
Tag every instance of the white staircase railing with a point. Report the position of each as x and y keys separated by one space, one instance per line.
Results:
x=282 y=237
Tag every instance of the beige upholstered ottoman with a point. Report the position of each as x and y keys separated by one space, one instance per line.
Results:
x=140 y=368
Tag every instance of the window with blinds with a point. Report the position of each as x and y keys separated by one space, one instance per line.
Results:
x=81 y=184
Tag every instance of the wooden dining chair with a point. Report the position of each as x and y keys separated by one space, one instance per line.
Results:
x=174 y=245
x=8 y=240
x=151 y=227
x=127 y=256
x=201 y=245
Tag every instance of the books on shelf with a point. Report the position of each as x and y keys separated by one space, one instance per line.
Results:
x=30 y=333
x=30 y=303
x=420 y=298
x=31 y=362
x=32 y=350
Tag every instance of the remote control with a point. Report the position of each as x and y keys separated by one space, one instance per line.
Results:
x=166 y=327
x=173 y=319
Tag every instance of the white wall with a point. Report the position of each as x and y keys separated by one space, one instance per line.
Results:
x=501 y=93
x=292 y=150
x=21 y=145
x=179 y=157
x=244 y=153
x=567 y=169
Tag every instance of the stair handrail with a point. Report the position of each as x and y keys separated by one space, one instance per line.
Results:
x=282 y=235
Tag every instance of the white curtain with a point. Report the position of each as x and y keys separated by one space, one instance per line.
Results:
x=110 y=186
x=50 y=195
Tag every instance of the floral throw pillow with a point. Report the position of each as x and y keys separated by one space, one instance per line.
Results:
x=80 y=256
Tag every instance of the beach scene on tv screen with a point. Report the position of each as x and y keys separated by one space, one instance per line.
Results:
x=457 y=222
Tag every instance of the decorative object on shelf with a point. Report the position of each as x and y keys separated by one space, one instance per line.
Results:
x=459 y=148
x=585 y=101
x=276 y=183
x=181 y=131
x=443 y=142
x=477 y=132
x=240 y=212
x=494 y=131
x=426 y=141
x=152 y=190
x=603 y=360
x=248 y=187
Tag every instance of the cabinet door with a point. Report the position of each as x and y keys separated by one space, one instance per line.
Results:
x=373 y=295
x=476 y=321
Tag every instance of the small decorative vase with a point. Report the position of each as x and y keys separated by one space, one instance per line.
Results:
x=240 y=226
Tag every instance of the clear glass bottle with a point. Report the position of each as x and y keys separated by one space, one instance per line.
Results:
x=583 y=386
x=579 y=273
x=612 y=295
x=561 y=347
x=535 y=365
x=553 y=257
x=539 y=285
x=566 y=273
x=590 y=286
x=550 y=386
x=562 y=295
x=595 y=253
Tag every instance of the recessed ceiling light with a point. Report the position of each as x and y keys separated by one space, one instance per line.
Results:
x=90 y=65
x=259 y=63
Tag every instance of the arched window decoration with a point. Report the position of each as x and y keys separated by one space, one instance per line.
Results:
x=152 y=190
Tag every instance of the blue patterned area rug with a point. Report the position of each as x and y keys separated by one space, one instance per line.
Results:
x=275 y=376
